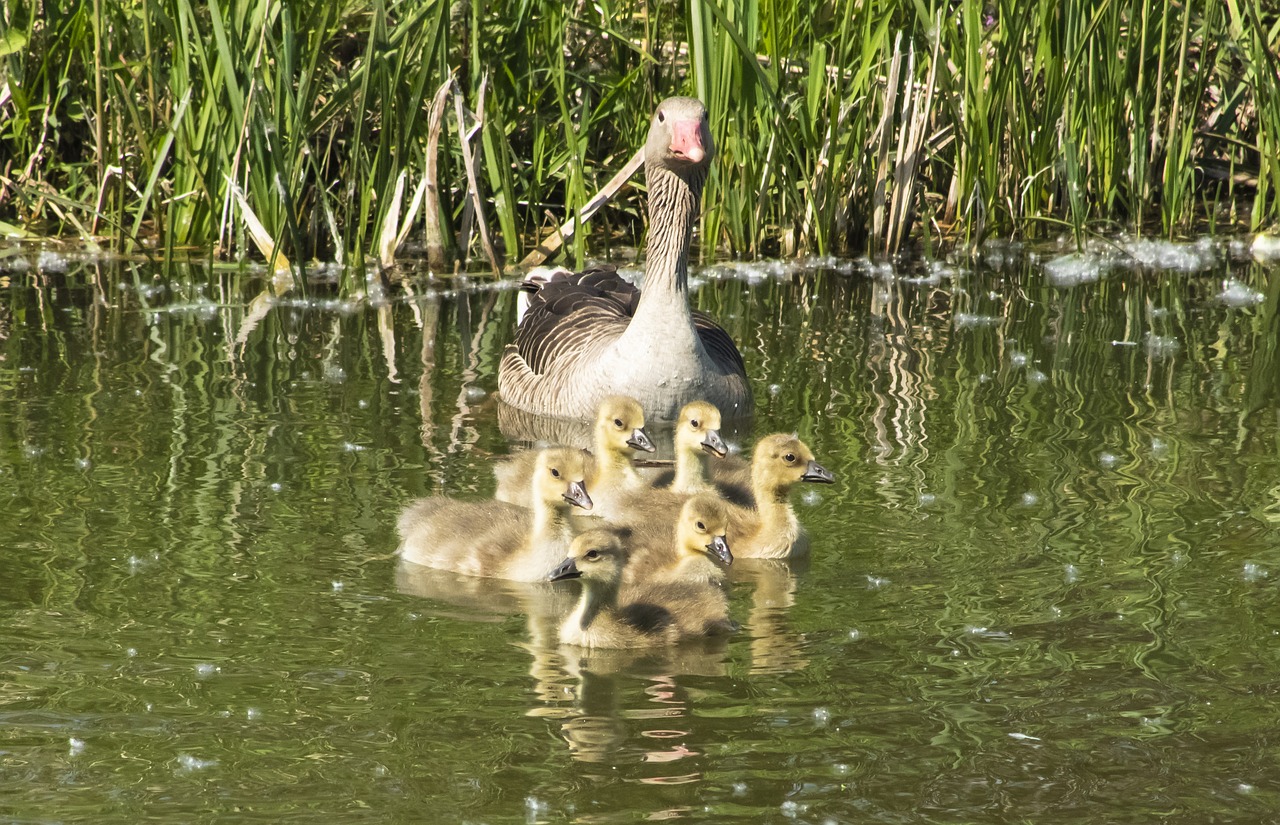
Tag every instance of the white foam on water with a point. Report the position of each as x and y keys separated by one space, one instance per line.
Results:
x=1265 y=247
x=1150 y=253
x=1162 y=346
x=1236 y=294
x=1072 y=573
x=1108 y=460
x=1066 y=271
x=188 y=763
x=52 y=262
x=967 y=320
x=1030 y=499
x=76 y=746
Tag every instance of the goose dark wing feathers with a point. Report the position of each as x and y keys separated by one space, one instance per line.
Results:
x=571 y=308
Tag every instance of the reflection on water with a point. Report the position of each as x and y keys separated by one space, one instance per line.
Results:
x=1042 y=587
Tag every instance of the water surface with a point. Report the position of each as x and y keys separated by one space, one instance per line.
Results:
x=1042 y=588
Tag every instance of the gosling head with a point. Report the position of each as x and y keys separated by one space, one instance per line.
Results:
x=680 y=135
x=698 y=428
x=781 y=460
x=559 y=476
x=701 y=528
x=620 y=426
x=595 y=556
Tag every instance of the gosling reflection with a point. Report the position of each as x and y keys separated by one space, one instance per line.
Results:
x=626 y=706
x=775 y=647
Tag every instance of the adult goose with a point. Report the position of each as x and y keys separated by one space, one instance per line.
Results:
x=593 y=334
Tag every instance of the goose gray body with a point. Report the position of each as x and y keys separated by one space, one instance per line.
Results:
x=593 y=334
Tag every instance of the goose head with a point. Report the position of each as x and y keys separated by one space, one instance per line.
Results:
x=704 y=519
x=620 y=427
x=597 y=556
x=559 y=476
x=782 y=460
x=698 y=429
x=680 y=134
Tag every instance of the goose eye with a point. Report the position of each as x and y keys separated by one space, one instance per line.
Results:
x=790 y=458
x=662 y=117
x=702 y=527
x=695 y=423
x=617 y=422
x=592 y=555
x=555 y=473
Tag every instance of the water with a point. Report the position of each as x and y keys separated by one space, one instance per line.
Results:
x=1043 y=587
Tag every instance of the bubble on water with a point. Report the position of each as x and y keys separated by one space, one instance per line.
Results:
x=252 y=714
x=535 y=808
x=205 y=670
x=1236 y=294
x=348 y=447
x=1018 y=359
x=1024 y=737
x=188 y=763
x=1162 y=346
x=474 y=393
x=925 y=499
x=1244 y=787
x=31 y=451
x=1158 y=447
x=1108 y=460
x=792 y=809
x=275 y=486
x=1066 y=271
x=83 y=463
x=821 y=717
x=131 y=652
x=1072 y=573
x=876 y=582
x=363 y=403
x=811 y=497
x=1036 y=377
x=76 y=746
x=774 y=389
x=1254 y=572
x=841 y=769
x=855 y=635
x=334 y=374
x=739 y=788
x=1030 y=499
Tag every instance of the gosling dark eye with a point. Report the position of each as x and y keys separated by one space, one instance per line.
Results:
x=592 y=555
x=695 y=424
x=555 y=473
x=617 y=422
x=702 y=527
x=790 y=458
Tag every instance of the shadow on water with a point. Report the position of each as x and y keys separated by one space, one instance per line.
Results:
x=1041 y=587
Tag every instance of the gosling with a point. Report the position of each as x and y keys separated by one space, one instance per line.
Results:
x=499 y=539
x=619 y=430
x=645 y=616
x=771 y=530
x=699 y=554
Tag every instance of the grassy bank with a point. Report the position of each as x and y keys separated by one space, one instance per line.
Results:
x=348 y=130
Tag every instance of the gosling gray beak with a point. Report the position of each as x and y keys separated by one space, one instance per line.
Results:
x=566 y=569
x=719 y=550
x=814 y=471
x=576 y=494
x=714 y=444
x=640 y=441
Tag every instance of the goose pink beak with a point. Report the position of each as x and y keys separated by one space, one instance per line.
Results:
x=686 y=140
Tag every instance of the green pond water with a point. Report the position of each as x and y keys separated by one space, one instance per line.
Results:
x=1042 y=589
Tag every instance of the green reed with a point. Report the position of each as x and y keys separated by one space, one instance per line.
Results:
x=853 y=125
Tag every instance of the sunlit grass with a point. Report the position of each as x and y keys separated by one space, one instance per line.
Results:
x=849 y=126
